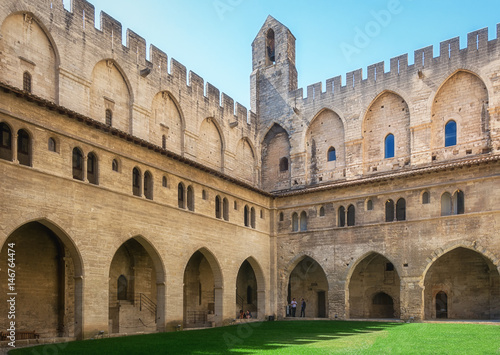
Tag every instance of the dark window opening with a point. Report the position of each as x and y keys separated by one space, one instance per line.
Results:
x=77 y=164
x=252 y=217
x=164 y=142
x=52 y=145
x=180 y=195
x=246 y=216
x=284 y=164
x=114 y=165
x=389 y=211
x=322 y=211
x=136 y=182
x=295 y=222
x=23 y=148
x=369 y=205
x=164 y=181
x=109 y=117
x=122 y=288
x=225 y=209
x=92 y=168
x=425 y=198
x=351 y=216
x=458 y=202
x=401 y=209
x=341 y=217
x=5 y=142
x=27 y=82
x=190 y=198
x=148 y=185
x=303 y=221
x=270 y=47
x=281 y=217
x=217 y=207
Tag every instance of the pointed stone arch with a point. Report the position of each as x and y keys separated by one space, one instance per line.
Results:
x=469 y=277
x=111 y=91
x=138 y=261
x=167 y=119
x=53 y=277
x=211 y=145
x=250 y=274
x=382 y=276
x=388 y=113
x=40 y=57
x=246 y=160
x=203 y=290
x=468 y=108
x=325 y=131
x=275 y=147
x=305 y=278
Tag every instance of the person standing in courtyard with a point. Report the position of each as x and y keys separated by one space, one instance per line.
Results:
x=294 y=306
x=303 y=308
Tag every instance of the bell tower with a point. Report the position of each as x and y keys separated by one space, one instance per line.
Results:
x=273 y=69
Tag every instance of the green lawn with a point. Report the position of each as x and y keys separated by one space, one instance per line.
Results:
x=298 y=337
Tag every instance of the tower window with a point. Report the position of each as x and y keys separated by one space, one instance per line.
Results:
x=331 y=154
x=351 y=215
x=389 y=146
x=450 y=134
x=389 y=211
x=109 y=117
x=114 y=165
x=341 y=216
x=136 y=182
x=52 y=145
x=27 y=82
x=270 y=47
x=23 y=148
x=77 y=164
x=92 y=169
x=425 y=197
x=401 y=209
x=284 y=164
x=148 y=185
x=295 y=222
x=180 y=196
x=164 y=142
x=190 y=198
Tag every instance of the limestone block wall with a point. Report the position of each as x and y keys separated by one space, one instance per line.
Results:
x=93 y=220
x=413 y=246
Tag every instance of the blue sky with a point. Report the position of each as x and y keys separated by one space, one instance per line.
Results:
x=213 y=37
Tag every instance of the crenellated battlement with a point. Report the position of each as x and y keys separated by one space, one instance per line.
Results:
x=450 y=54
x=107 y=38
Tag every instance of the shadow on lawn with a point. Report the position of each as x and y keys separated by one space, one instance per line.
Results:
x=268 y=336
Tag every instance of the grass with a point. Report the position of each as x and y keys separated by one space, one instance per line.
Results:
x=298 y=337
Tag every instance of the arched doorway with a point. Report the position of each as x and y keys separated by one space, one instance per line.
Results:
x=202 y=291
x=135 y=289
x=441 y=305
x=382 y=306
x=462 y=284
x=48 y=281
x=308 y=281
x=373 y=289
x=250 y=289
